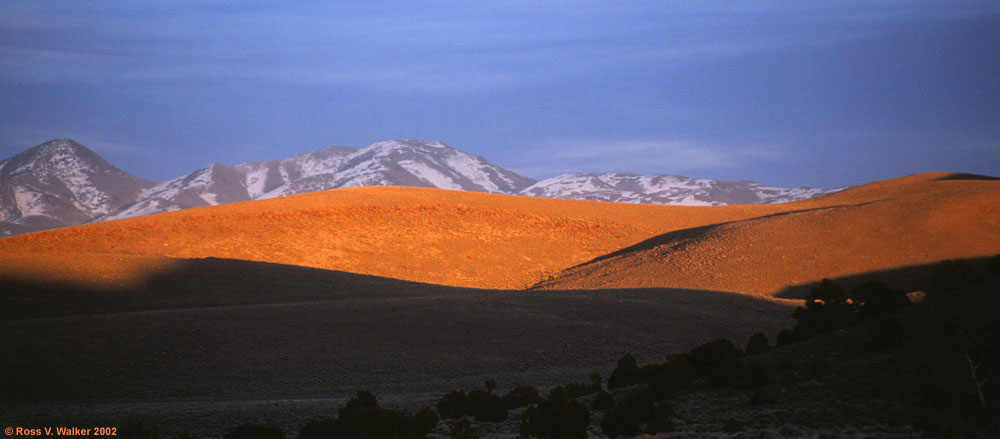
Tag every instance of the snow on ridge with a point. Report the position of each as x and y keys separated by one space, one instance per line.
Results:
x=429 y=174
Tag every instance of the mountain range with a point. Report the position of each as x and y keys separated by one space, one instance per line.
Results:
x=62 y=183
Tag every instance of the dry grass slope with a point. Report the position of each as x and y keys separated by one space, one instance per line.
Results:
x=426 y=235
x=882 y=226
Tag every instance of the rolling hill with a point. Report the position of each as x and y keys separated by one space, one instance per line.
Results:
x=880 y=227
x=427 y=235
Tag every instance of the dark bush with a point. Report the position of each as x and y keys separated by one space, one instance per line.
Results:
x=875 y=298
x=754 y=375
x=886 y=332
x=595 y=382
x=490 y=385
x=575 y=390
x=557 y=393
x=757 y=344
x=325 y=428
x=255 y=431
x=602 y=401
x=952 y=275
x=621 y=420
x=362 y=400
x=626 y=374
x=704 y=358
x=677 y=370
x=556 y=419
x=786 y=337
x=725 y=373
x=826 y=309
x=425 y=420
x=462 y=428
x=378 y=423
x=521 y=396
x=453 y=405
x=660 y=387
x=361 y=420
x=485 y=406
x=660 y=422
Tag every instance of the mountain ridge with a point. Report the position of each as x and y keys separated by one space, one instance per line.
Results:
x=408 y=162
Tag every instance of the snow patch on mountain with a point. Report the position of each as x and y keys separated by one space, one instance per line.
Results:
x=666 y=189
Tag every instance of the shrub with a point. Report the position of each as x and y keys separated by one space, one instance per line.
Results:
x=485 y=406
x=676 y=371
x=826 y=309
x=757 y=344
x=362 y=400
x=595 y=382
x=602 y=401
x=556 y=419
x=660 y=422
x=378 y=423
x=425 y=420
x=462 y=428
x=575 y=390
x=452 y=405
x=951 y=275
x=786 y=337
x=626 y=374
x=875 y=298
x=318 y=429
x=621 y=420
x=725 y=373
x=255 y=431
x=521 y=396
x=705 y=357
x=754 y=375
x=361 y=420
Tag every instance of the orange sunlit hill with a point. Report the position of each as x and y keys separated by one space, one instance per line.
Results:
x=428 y=235
x=501 y=241
x=880 y=227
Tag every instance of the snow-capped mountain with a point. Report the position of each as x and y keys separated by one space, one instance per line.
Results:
x=395 y=162
x=60 y=183
x=220 y=184
x=426 y=164
x=666 y=189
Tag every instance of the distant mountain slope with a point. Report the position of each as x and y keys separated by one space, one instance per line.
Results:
x=60 y=183
x=666 y=189
x=887 y=225
x=391 y=163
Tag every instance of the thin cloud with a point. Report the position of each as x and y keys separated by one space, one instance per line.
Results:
x=644 y=156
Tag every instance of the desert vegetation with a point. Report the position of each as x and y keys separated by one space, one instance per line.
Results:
x=873 y=355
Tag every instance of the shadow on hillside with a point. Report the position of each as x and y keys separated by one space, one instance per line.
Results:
x=196 y=283
x=215 y=328
x=910 y=278
x=968 y=177
x=694 y=234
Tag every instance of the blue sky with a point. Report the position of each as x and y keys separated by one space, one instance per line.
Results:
x=783 y=92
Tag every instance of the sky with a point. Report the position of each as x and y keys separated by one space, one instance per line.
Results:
x=790 y=93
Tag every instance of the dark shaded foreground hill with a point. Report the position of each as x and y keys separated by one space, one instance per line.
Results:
x=233 y=332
